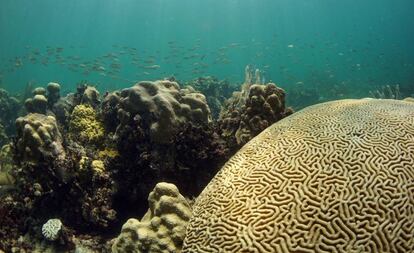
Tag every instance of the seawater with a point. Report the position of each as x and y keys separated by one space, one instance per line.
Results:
x=349 y=47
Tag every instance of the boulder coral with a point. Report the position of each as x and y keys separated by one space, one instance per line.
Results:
x=38 y=138
x=164 y=107
x=334 y=177
x=163 y=227
x=251 y=110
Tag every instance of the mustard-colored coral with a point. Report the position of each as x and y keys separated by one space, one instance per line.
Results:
x=84 y=163
x=108 y=153
x=98 y=166
x=85 y=125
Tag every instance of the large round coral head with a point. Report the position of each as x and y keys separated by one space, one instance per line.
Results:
x=334 y=177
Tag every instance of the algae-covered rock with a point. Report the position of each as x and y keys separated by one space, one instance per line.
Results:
x=163 y=227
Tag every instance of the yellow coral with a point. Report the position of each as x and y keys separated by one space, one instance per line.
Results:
x=98 y=166
x=108 y=153
x=83 y=163
x=85 y=126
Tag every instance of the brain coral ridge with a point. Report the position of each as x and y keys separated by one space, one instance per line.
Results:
x=334 y=177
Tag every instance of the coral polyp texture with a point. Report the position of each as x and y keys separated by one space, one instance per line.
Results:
x=162 y=229
x=334 y=177
x=85 y=125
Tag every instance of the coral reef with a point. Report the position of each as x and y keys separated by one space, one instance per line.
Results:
x=92 y=162
x=216 y=92
x=9 y=109
x=88 y=95
x=13 y=215
x=251 y=110
x=6 y=165
x=163 y=227
x=335 y=176
x=3 y=136
x=109 y=109
x=157 y=123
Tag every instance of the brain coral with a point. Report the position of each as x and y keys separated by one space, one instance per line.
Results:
x=334 y=177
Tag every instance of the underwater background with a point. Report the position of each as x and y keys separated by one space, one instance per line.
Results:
x=349 y=46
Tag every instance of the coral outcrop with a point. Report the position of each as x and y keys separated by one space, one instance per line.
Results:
x=158 y=123
x=163 y=227
x=333 y=177
x=163 y=107
x=38 y=139
x=216 y=92
x=53 y=90
x=250 y=111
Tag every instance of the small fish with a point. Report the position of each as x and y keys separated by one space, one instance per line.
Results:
x=290 y=46
x=152 y=67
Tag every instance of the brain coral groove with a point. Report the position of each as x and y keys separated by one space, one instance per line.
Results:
x=334 y=177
